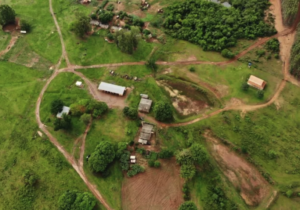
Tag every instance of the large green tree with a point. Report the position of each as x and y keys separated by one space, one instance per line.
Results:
x=81 y=25
x=103 y=155
x=163 y=111
x=56 y=106
x=7 y=15
x=127 y=41
x=74 y=200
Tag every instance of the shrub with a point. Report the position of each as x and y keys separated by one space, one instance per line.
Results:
x=273 y=45
x=156 y=164
x=245 y=87
x=151 y=163
x=94 y=16
x=110 y=36
x=227 y=53
x=110 y=7
x=86 y=118
x=165 y=154
x=25 y=26
x=56 y=106
x=130 y=112
x=276 y=55
x=260 y=53
x=272 y=154
x=188 y=205
x=105 y=16
x=146 y=32
x=289 y=193
x=163 y=111
x=260 y=94
x=135 y=169
x=103 y=4
x=192 y=69
x=124 y=161
x=81 y=25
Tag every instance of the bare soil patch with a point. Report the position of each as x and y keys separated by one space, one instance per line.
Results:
x=158 y=189
x=245 y=177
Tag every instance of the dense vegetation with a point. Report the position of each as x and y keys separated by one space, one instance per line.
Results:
x=295 y=56
x=163 y=111
x=289 y=9
x=74 y=200
x=127 y=41
x=81 y=25
x=7 y=15
x=215 y=27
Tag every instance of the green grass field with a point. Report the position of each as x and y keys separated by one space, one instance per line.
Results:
x=22 y=149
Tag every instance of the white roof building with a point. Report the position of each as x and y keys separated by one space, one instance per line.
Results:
x=65 y=110
x=111 y=88
x=78 y=83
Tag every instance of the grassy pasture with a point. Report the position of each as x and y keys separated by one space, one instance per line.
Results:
x=22 y=149
x=4 y=39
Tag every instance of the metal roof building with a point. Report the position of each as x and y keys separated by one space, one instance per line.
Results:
x=111 y=88
x=256 y=82
x=145 y=105
x=65 y=110
x=146 y=133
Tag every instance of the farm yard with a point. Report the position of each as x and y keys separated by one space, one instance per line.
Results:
x=149 y=104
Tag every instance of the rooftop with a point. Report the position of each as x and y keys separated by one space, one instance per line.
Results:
x=256 y=82
x=147 y=128
x=112 y=88
x=65 y=110
x=145 y=105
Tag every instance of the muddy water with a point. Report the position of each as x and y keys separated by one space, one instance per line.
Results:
x=244 y=176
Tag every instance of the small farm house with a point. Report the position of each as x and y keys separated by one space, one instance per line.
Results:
x=111 y=88
x=145 y=105
x=147 y=131
x=256 y=82
x=65 y=110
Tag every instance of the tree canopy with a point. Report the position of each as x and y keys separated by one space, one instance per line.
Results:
x=7 y=15
x=103 y=155
x=74 y=200
x=188 y=205
x=215 y=27
x=81 y=25
x=127 y=41
x=130 y=112
x=56 y=106
x=163 y=111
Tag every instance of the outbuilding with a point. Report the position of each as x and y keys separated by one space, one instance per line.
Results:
x=145 y=105
x=256 y=82
x=78 y=83
x=146 y=132
x=65 y=110
x=111 y=88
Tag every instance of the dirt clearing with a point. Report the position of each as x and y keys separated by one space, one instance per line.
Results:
x=158 y=189
x=245 y=177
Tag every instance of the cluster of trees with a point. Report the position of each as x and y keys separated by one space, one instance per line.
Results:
x=188 y=205
x=91 y=107
x=103 y=155
x=75 y=200
x=130 y=112
x=64 y=123
x=81 y=25
x=154 y=163
x=7 y=15
x=215 y=27
x=187 y=158
x=127 y=41
x=163 y=111
x=295 y=58
x=289 y=10
x=134 y=170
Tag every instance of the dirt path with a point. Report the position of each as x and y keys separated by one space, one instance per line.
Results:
x=64 y=52
x=80 y=162
x=10 y=45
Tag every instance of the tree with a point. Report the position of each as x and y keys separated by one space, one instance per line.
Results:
x=56 y=106
x=260 y=94
x=227 y=53
x=64 y=123
x=245 y=87
x=25 y=26
x=99 y=109
x=165 y=154
x=124 y=160
x=130 y=112
x=77 y=109
x=199 y=154
x=103 y=155
x=156 y=164
x=105 y=16
x=127 y=41
x=85 y=118
x=187 y=171
x=29 y=178
x=273 y=45
x=151 y=64
x=81 y=25
x=7 y=15
x=75 y=200
x=188 y=205
x=163 y=111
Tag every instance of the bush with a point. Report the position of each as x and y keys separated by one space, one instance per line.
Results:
x=94 y=16
x=56 y=106
x=227 y=53
x=188 y=205
x=165 y=154
x=74 y=200
x=86 y=118
x=260 y=53
x=156 y=164
x=25 y=26
x=273 y=45
x=260 y=94
x=124 y=161
x=186 y=192
x=105 y=16
x=146 y=32
x=81 y=25
x=103 y=4
x=163 y=111
x=272 y=154
x=289 y=193
x=110 y=36
x=276 y=55
x=245 y=87
x=130 y=112
x=135 y=169
x=110 y=7
x=151 y=163
x=192 y=69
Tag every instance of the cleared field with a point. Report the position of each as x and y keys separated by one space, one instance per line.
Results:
x=154 y=189
x=22 y=149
